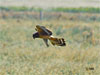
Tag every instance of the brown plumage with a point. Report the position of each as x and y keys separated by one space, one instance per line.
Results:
x=46 y=35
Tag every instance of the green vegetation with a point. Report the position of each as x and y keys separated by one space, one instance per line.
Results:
x=73 y=10
x=23 y=8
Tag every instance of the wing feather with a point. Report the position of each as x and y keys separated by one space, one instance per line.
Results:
x=43 y=31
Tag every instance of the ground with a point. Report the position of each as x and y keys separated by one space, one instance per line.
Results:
x=20 y=54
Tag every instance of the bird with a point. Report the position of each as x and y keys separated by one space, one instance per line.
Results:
x=45 y=34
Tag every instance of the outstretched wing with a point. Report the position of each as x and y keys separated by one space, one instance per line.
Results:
x=43 y=31
x=57 y=41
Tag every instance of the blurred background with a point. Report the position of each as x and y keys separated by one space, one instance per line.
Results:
x=51 y=3
x=77 y=21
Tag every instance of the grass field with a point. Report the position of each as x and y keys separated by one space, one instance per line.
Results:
x=20 y=54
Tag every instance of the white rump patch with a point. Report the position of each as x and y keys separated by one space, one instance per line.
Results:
x=51 y=36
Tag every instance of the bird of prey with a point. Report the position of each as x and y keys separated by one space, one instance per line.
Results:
x=46 y=35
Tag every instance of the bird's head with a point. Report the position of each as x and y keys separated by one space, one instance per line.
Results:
x=36 y=35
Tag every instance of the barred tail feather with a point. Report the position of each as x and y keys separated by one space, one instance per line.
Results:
x=57 y=41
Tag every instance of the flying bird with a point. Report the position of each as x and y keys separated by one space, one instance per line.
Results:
x=46 y=35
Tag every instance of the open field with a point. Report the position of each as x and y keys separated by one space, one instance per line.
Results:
x=21 y=55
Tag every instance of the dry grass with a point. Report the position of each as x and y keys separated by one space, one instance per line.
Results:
x=21 y=55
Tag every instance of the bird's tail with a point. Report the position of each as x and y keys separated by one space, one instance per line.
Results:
x=57 y=41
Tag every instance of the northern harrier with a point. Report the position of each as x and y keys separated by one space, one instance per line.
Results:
x=46 y=35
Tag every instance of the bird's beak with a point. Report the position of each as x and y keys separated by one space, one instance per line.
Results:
x=33 y=37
